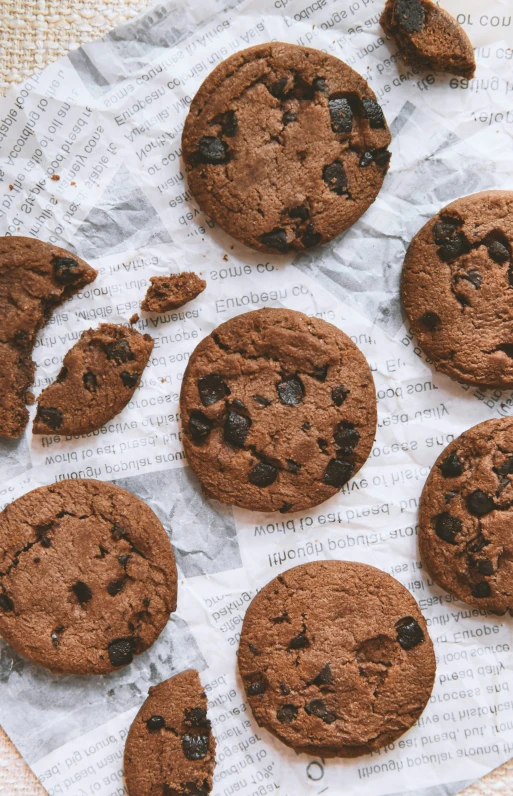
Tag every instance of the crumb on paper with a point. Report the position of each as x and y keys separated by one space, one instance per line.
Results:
x=225 y=258
x=55 y=177
x=134 y=318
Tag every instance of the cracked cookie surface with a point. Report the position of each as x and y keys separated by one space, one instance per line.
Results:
x=278 y=411
x=457 y=289
x=87 y=577
x=336 y=659
x=35 y=277
x=285 y=147
x=466 y=514
x=170 y=748
x=98 y=377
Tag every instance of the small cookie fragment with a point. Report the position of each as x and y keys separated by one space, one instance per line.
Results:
x=35 y=277
x=466 y=517
x=170 y=748
x=170 y=292
x=98 y=377
x=87 y=577
x=336 y=659
x=428 y=37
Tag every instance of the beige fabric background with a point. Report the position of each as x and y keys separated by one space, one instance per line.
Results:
x=32 y=34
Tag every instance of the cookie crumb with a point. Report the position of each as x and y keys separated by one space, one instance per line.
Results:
x=171 y=292
x=55 y=177
x=225 y=257
x=134 y=318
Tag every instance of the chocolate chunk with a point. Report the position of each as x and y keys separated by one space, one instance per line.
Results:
x=155 y=723
x=287 y=714
x=373 y=111
x=482 y=590
x=322 y=443
x=311 y=237
x=62 y=375
x=431 y=321
x=285 y=690
x=117 y=532
x=49 y=416
x=445 y=230
x=301 y=212
x=450 y=496
x=474 y=277
x=259 y=687
x=346 y=437
x=485 y=567
x=120 y=651
x=306 y=426
x=409 y=633
x=65 y=270
x=335 y=178
x=212 y=150
x=381 y=157
x=200 y=426
x=454 y=248
x=289 y=117
x=320 y=85
x=239 y=407
x=236 y=429
x=276 y=239
x=279 y=620
x=299 y=642
x=195 y=747
x=507 y=467
x=263 y=474
x=129 y=379
x=337 y=473
x=253 y=649
x=451 y=467
x=286 y=507
x=115 y=586
x=230 y=124
x=410 y=15
x=479 y=504
x=320 y=372
x=90 y=381
x=366 y=159
x=119 y=351
x=292 y=466
x=123 y=560
x=82 y=591
x=317 y=708
x=262 y=400
x=278 y=88
x=341 y=115
x=447 y=527
x=499 y=252
x=196 y=717
x=339 y=394
x=6 y=604
x=212 y=389
x=291 y=391
x=324 y=677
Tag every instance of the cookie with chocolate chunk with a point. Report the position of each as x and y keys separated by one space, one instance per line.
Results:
x=171 y=292
x=285 y=147
x=98 y=377
x=428 y=37
x=35 y=277
x=278 y=411
x=170 y=749
x=457 y=289
x=466 y=514
x=87 y=577
x=336 y=659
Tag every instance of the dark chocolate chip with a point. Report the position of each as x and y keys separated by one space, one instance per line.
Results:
x=507 y=467
x=82 y=592
x=317 y=708
x=507 y=348
x=320 y=85
x=292 y=466
x=474 y=277
x=498 y=252
x=324 y=677
x=381 y=157
x=65 y=270
x=299 y=642
x=479 y=503
x=239 y=407
x=155 y=723
x=346 y=437
x=119 y=351
x=373 y=111
x=195 y=747
x=289 y=117
x=445 y=230
x=253 y=649
x=454 y=248
x=447 y=527
x=339 y=394
x=199 y=426
x=366 y=159
x=212 y=389
x=410 y=15
x=123 y=560
x=6 y=604
x=279 y=620
x=62 y=375
x=117 y=532
x=129 y=379
x=263 y=474
x=291 y=391
x=212 y=150
x=287 y=714
x=120 y=651
x=49 y=416
x=278 y=88
x=451 y=466
x=430 y=321
x=322 y=443
x=230 y=124
x=196 y=717
x=485 y=567
x=335 y=178
x=319 y=372
x=306 y=426
x=341 y=115
x=115 y=586
x=301 y=212
x=236 y=429
x=450 y=496
x=276 y=239
x=90 y=381
x=337 y=473
x=46 y=542
x=311 y=237
x=285 y=690
x=482 y=590
x=478 y=545
x=257 y=688
x=262 y=400
x=409 y=633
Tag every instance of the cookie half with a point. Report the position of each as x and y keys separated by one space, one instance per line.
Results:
x=457 y=289
x=336 y=659
x=278 y=411
x=466 y=517
x=98 y=377
x=35 y=277
x=285 y=147
x=87 y=577
x=170 y=749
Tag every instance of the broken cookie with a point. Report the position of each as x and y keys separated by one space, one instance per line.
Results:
x=171 y=292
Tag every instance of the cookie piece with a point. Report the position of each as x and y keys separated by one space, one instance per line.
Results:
x=170 y=749
x=35 y=277
x=336 y=658
x=466 y=514
x=98 y=377
x=457 y=289
x=171 y=292
x=428 y=37
x=87 y=577
x=285 y=147
x=278 y=411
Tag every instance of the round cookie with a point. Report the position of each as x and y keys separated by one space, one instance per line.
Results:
x=457 y=289
x=285 y=147
x=336 y=658
x=170 y=749
x=466 y=515
x=278 y=411
x=87 y=577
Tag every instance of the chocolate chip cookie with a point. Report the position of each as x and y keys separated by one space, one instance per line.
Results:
x=278 y=411
x=336 y=658
x=35 y=277
x=87 y=577
x=458 y=289
x=171 y=292
x=285 y=147
x=466 y=514
x=428 y=37
x=170 y=749
x=98 y=377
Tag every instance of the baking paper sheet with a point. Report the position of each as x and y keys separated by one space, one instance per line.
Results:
x=90 y=160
